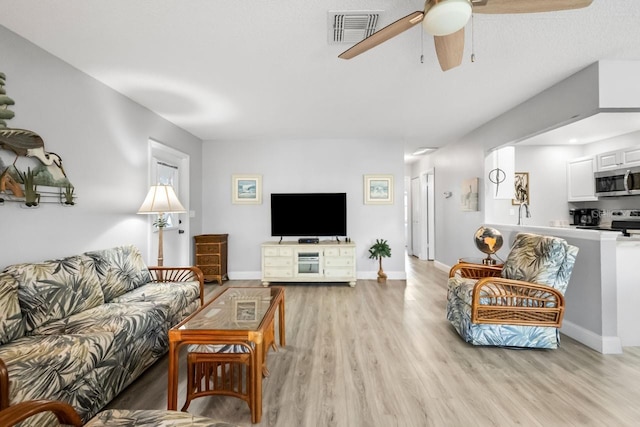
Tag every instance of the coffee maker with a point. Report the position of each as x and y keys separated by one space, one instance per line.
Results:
x=588 y=216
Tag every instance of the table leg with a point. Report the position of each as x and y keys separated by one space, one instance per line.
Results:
x=257 y=411
x=281 y=322
x=172 y=387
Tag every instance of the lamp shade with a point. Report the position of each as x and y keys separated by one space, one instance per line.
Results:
x=447 y=17
x=161 y=199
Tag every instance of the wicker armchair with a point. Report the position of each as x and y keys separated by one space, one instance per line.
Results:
x=67 y=415
x=518 y=305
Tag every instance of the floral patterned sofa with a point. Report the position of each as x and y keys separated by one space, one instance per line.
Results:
x=518 y=305
x=82 y=328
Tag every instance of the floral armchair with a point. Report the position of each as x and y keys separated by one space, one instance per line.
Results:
x=520 y=304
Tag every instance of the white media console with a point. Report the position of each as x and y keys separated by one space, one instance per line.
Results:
x=326 y=261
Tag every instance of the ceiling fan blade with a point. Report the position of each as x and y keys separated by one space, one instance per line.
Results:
x=449 y=49
x=527 y=6
x=386 y=33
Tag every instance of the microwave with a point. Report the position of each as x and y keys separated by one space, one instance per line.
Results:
x=618 y=182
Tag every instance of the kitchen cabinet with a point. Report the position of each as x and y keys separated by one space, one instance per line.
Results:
x=580 y=180
x=627 y=157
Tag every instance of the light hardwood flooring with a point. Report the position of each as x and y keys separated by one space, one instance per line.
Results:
x=385 y=355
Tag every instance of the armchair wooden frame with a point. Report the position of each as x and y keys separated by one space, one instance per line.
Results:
x=21 y=411
x=178 y=274
x=500 y=301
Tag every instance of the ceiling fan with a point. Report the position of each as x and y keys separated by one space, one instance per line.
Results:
x=446 y=19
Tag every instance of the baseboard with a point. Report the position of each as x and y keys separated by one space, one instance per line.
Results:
x=373 y=275
x=441 y=266
x=362 y=275
x=602 y=344
x=245 y=275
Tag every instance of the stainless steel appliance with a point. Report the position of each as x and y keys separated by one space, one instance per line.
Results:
x=618 y=182
x=587 y=216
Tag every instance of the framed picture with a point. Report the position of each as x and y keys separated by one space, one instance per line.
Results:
x=521 y=188
x=469 y=195
x=246 y=189
x=378 y=189
x=245 y=310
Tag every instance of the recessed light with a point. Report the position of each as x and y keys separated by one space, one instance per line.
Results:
x=573 y=140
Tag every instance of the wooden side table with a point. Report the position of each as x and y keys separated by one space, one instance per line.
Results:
x=211 y=256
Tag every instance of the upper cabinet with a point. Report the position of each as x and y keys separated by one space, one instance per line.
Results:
x=580 y=180
x=626 y=157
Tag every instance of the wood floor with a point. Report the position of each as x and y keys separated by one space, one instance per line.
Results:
x=384 y=355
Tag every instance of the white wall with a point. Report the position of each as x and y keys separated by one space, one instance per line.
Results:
x=569 y=100
x=303 y=166
x=547 y=168
x=102 y=138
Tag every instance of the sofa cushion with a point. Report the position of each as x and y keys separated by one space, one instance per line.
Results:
x=120 y=269
x=177 y=297
x=535 y=259
x=40 y=366
x=128 y=322
x=55 y=289
x=11 y=324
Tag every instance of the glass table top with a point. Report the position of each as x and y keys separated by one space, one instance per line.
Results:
x=234 y=309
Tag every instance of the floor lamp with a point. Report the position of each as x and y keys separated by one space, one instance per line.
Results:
x=160 y=200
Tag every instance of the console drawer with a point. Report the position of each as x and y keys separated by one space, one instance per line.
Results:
x=272 y=273
x=274 y=251
x=277 y=262
x=338 y=262
x=338 y=252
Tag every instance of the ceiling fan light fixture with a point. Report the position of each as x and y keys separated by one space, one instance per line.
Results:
x=447 y=17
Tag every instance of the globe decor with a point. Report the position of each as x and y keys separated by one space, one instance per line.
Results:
x=489 y=241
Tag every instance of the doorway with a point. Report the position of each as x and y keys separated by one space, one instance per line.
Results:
x=171 y=167
x=423 y=234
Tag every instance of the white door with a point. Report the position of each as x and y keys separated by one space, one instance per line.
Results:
x=415 y=218
x=171 y=167
x=431 y=217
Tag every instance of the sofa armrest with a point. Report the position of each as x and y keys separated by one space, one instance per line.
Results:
x=504 y=301
x=23 y=410
x=178 y=274
x=4 y=385
x=474 y=271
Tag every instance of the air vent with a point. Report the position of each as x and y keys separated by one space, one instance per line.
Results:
x=353 y=26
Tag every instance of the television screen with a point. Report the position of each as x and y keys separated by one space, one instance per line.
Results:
x=309 y=214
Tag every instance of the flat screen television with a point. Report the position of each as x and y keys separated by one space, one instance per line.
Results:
x=309 y=214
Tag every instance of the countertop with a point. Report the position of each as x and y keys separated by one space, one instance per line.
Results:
x=570 y=231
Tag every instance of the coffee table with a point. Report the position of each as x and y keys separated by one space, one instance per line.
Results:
x=237 y=316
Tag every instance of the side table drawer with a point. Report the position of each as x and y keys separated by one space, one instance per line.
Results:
x=208 y=248
x=213 y=270
x=208 y=259
x=211 y=238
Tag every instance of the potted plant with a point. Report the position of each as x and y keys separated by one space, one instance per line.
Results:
x=380 y=249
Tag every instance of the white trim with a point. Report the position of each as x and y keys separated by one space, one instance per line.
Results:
x=602 y=344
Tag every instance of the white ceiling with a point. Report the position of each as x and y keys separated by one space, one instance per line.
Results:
x=248 y=69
